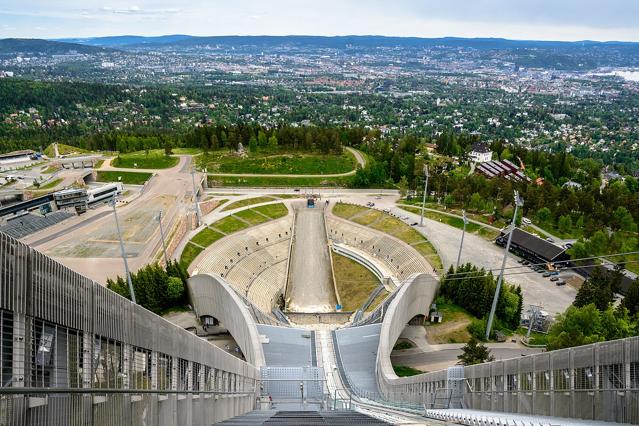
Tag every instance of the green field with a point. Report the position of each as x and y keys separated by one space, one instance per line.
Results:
x=251 y=217
x=206 y=237
x=129 y=178
x=229 y=224
x=280 y=182
x=189 y=254
x=388 y=224
x=274 y=163
x=142 y=160
x=247 y=202
x=453 y=328
x=403 y=371
x=354 y=282
x=50 y=185
x=50 y=169
x=63 y=150
x=274 y=211
x=473 y=228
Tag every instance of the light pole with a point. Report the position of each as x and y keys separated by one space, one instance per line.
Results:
x=518 y=203
x=166 y=258
x=197 y=208
x=421 y=220
x=461 y=244
x=126 y=263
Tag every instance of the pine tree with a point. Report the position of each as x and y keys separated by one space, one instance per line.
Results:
x=475 y=353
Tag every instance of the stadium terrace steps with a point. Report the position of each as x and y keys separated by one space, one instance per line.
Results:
x=398 y=257
x=252 y=262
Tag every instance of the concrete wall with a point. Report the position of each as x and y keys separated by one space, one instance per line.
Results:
x=592 y=382
x=413 y=298
x=113 y=362
x=212 y=296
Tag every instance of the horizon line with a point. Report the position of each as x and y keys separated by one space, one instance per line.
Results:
x=65 y=39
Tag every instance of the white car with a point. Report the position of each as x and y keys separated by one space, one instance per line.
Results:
x=386 y=210
x=404 y=217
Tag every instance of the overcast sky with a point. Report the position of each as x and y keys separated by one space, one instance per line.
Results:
x=516 y=19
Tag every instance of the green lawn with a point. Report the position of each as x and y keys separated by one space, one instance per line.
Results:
x=454 y=327
x=140 y=160
x=278 y=162
x=251 y=217
x=535 y=338
x=354 y=282
x=129 y=178
x=50 y=169
x=274 y=211
x=279 y=182
x=456 y=222
x=189 y=254
x=229 y=224
x=50 y=185
x=247 y=202
x=346 y=210
x=403 y=371
x=206 y=237
x=403 y=344
x=63 y=150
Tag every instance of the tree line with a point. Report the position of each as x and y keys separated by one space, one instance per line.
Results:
x=593 y=317
x=473 y=289
x=156 y=288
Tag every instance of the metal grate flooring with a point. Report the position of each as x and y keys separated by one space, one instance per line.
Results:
x=335 y=418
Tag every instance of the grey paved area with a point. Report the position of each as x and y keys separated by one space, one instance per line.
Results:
x=358 y=352
x=483 y=253
x=286 y=347
x=310 y=286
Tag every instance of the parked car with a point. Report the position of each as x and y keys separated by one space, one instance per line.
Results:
x=387 y=210
x=561 y=282
x=568 y=245
x=526 y=221
x=296 y=190
x=404 y=217
x=525 y=262
x=414 y=224
x=554 y=278
x=550 y=240
x=553 y=273
x=546 y=274
x=521 y=261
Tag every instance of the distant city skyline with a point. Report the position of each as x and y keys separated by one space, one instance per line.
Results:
x=569 y=20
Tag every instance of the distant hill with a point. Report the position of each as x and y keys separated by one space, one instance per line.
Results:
x=126 y=40
x=365 y=41
x=44 y=47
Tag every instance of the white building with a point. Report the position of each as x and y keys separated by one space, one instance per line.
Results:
x=480 y=153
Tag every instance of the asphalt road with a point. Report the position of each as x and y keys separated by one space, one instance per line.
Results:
x=437 y=359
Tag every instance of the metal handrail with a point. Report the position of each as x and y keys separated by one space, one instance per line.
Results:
x=22 y=391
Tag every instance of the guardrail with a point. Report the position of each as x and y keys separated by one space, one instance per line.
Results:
x=72 y=349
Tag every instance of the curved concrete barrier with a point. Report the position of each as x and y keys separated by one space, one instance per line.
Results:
x=413 y=298
x=212 y=296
